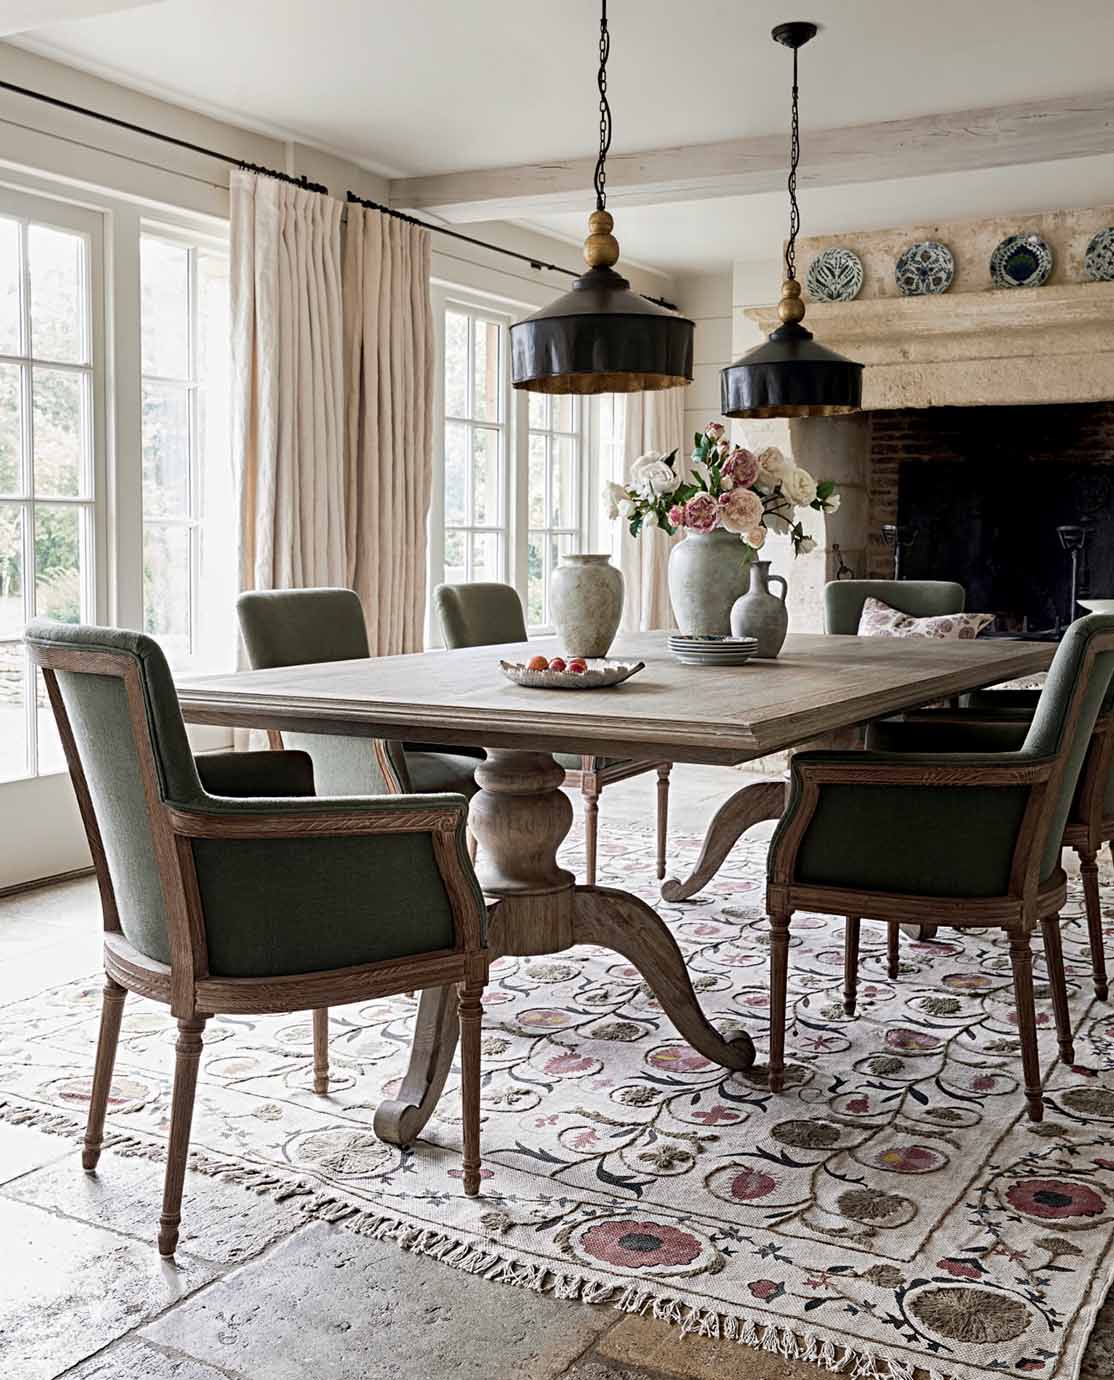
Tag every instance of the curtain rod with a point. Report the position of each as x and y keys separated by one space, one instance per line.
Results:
x=301 y=181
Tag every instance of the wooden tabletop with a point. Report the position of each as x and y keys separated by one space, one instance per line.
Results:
x=683 y=713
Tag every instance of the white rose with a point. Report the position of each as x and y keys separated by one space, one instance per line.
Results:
x=653 y=474
x=773 y=465
x=832 y=502
x=805 y=546
x=613 y=495
x=757 y=538
x=799 y=487
x=625 y=507
x=651 y=519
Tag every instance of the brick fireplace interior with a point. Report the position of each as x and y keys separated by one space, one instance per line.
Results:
x=984 y=489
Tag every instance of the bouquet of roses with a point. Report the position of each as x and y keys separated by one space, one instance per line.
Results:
x=731 y=487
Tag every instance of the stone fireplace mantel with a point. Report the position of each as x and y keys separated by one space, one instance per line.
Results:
x=1053 y=344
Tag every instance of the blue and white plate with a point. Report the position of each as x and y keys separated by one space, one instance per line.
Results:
x=1098 y=263
x=835 y=275
x=1021 y=261
x=924 y=268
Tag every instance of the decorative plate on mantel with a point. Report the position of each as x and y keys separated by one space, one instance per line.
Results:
x=835 y=275
x=1021 y=261
x=924 y=268
x=1098 y=263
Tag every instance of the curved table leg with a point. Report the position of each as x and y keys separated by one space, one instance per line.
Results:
x=754 y=803
x=616 y=920
x=400 y=1119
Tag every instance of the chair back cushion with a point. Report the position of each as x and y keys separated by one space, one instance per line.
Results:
x=108 y=747
x=880 y=620
x=479 y=615
x=299 y=627
x=844 y=599
x=1053 y=730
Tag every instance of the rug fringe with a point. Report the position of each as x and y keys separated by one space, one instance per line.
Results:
x=499 y=1269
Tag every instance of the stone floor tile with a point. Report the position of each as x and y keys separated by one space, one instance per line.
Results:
x=135 y=1360
x=661 y=1348
x=595 y=1369
x=70 y=1289
x=378 y=1313
x=220 y=1222
x=1098 y=1358
x=23 y=1148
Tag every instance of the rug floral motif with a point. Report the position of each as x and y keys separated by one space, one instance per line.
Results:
x=893 y=1209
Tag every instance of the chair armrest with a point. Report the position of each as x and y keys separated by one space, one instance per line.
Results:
x=248 y=774
x=258 y=817
x=943 y=730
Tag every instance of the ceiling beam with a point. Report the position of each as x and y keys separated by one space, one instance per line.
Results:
x=18 y=16
x=1031 y=132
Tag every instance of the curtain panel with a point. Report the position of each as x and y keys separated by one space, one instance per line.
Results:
x=288 y=385
x=388 y=358
x=653 y=422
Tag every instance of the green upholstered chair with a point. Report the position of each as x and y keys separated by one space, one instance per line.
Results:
x=970 y=838
x=302 y=627
x=486 y=614
x=228 y=887
x=844 y=600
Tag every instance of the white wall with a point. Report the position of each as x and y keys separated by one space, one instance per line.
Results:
x=706 y=298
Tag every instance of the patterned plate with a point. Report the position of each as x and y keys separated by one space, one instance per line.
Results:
x=600 y=673
x=924 y=268
x=835 y=275
x=1021 y=261
x=1099 y=259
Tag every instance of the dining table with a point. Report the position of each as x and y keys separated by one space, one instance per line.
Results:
x=820 y=689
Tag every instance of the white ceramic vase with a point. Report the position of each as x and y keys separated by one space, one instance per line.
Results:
x=707 y=573
x=586 y=600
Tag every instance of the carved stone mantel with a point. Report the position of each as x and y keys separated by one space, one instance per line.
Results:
x=1053 y=344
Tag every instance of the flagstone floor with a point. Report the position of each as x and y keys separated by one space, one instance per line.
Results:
x=84 y=1295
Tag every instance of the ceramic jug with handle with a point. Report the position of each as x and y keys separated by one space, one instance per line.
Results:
x=760 y=613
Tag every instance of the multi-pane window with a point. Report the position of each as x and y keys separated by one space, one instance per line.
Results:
x=47 y=472
x=187 y=557
x=554 y=495
x=475 y=447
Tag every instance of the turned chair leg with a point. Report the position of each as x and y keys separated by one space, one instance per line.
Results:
x=1021 y=961
x=663 y=815
x=779 y=981
x=591 y=832
x=321 y=1050
x=470 y=1013
x=1089 y=871
x=851 y=964
x=893 y=948
x=1057 y=979
x=112 y=1011
x=187 y=1058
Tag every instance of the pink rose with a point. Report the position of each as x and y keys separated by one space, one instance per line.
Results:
x=757 y=539
x=702 y=513
x=714 y=430
x=740 y=510
x=742 y=466
x=676 y=516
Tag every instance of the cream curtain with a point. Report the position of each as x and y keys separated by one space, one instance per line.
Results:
x=653 y=421
x=388 y=356
x=288 y=398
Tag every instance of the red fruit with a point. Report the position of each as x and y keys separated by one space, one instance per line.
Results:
x=557 y=664
x=578 y=665
x=538 y=663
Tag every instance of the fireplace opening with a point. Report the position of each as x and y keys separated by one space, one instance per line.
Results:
x=995 y=498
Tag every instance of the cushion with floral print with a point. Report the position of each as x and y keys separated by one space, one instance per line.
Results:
x=880 y=620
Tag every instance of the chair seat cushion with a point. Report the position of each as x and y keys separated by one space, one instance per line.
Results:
x=436 y=772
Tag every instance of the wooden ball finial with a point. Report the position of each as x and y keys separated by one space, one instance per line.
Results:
x=791 y=308
x=601 y=248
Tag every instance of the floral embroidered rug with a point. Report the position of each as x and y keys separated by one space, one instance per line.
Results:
x=893 y=1210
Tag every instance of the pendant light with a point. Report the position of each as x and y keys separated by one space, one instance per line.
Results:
x=601 y=337
x=790 y=375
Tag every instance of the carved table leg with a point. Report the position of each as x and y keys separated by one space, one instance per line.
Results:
x=754 y=803
x=521 y=817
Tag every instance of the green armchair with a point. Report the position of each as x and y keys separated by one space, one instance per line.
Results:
x=228 y=887
x=968 y=838
x=844 y=600
x=486 y=614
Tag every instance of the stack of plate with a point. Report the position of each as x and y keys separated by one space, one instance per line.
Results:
x=712 y=651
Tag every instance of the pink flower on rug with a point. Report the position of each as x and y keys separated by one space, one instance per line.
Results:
x=1055 y=1199
x=963 y=1269
x=742 y=466
x=716 y=1115
x=678 y=1059
x=568 y=1063
x=634 y=1245
x=752 y=1183
x=910 y=1159
x=702 y=513
x=766 y=1289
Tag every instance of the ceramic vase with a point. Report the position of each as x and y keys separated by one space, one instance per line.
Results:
x=760 y=613
x=586 y=599
x=707 y=573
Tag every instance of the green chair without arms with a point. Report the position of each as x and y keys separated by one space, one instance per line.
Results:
x=844 y=600
x=486 y=614
x=968 y=839
x=227 y=887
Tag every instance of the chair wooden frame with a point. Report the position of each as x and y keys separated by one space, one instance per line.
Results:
x=1025 y=905
x=591 y=780
x=186 y=985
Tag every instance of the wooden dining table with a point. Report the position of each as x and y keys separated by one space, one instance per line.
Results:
x=819 y=688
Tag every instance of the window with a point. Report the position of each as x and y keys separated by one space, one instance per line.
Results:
x=48 y=482
x=509 y=487
x=188 y=538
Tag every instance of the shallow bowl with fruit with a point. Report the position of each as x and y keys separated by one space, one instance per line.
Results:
x=573 y=673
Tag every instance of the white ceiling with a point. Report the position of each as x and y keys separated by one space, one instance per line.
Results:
x=442 y=85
